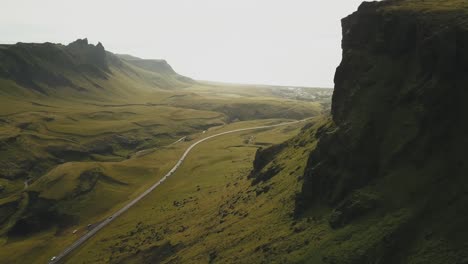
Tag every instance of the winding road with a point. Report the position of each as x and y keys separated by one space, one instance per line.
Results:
x=105 y=222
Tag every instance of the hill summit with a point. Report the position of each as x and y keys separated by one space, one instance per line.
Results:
x=46 y=68
x=37 y=65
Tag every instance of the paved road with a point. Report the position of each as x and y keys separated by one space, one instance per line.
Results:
x=102 y=224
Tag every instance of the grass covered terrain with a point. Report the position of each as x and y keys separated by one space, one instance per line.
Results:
x=218 y=209
x=83 y=131
x=214 y=164
x=430 y=5
x=390 y=164
x=383 y=180
x=210 y=210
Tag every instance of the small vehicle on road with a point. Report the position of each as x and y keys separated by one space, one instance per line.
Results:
x=53 y=258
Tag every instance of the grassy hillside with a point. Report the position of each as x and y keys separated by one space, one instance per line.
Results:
x=382 y=180
x=389 y=169
x=379 y=179
x=78 y=70
x=212 y=211
x=82 y=131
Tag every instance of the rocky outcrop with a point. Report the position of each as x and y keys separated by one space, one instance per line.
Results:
x=37 y=66
x=79 y=69
x=399 y=97
x=86 y=54
x=398 y=128
x=263 y=157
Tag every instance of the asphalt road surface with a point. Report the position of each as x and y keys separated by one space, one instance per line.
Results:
x=102 y=224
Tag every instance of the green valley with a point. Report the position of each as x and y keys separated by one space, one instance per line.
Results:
x=111 y=158
x=75 y=150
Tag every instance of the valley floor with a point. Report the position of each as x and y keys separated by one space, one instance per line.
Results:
x=84 y=159
x=209 y=211
x=209 y=197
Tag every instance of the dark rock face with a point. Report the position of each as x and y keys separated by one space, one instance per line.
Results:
x=263 y=157
x=399 y=97
x=398 y=128
x=87 y=55
x=358 y=204
x=31 y=64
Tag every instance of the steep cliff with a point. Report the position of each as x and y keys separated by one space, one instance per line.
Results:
x=393 y=155
x=152 y=65
x=79 y=67
x=37 y=66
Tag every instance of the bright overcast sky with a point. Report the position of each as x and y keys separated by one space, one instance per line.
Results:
x=284 y=42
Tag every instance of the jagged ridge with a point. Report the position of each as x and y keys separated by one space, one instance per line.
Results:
x=33 y=65
x=46 y=66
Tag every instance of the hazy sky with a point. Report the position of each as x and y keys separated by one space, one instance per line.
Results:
x=286 y=42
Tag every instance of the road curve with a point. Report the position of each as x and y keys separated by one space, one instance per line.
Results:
x=102 y=224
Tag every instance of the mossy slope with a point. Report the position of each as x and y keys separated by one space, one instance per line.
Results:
x=392 y=157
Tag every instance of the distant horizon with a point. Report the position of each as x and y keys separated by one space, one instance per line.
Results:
x=263 y=42
x=201 y=80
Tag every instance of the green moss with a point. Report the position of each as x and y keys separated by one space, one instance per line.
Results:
x=429 y=5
